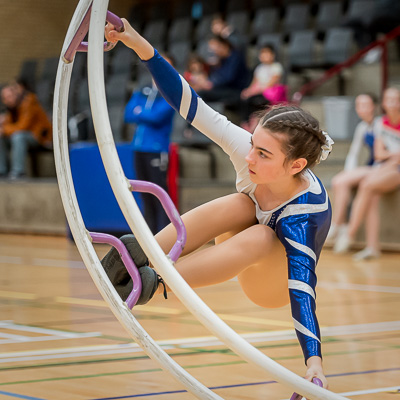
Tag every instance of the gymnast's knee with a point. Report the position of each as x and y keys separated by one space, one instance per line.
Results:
x=259 y=238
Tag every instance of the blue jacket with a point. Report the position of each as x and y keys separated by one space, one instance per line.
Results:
x=153 y=116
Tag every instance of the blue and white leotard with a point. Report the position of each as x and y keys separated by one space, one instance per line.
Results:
x=301 y=223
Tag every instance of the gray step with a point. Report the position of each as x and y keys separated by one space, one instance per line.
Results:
x=31 y=206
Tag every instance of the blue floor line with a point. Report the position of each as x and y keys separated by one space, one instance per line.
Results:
x=244 y=384
x=19 y=396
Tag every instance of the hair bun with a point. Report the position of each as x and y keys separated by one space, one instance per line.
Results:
x=326 y=148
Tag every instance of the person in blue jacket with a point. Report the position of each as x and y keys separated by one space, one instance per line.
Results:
x=270 y=234
x=153 y=117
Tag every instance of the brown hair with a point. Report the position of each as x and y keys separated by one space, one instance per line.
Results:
x=303 y=137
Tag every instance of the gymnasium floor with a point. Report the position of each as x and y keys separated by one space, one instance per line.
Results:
x=59 y=340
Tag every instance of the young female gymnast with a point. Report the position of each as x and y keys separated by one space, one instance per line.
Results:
x=282 y=209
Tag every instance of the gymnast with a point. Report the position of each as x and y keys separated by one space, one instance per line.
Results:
x=270 y=234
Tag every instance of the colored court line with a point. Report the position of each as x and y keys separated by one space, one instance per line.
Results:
x=17 y=295
x=20 y=396
x=358 y=286
x=240 y=385
x=176 y=311
x=190 y=343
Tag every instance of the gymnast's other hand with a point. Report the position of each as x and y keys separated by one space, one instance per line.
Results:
x=314 y=370
x=131 y=38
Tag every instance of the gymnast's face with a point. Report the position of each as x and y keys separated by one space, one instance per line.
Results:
x=266 y=159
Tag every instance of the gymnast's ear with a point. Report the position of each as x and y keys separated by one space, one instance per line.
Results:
x=296 y=166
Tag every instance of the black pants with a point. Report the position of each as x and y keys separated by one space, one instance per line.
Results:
x=152 y=167
x=252 y=105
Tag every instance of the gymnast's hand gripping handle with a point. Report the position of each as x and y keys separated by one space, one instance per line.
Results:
x=78 y=45
x=296 y=396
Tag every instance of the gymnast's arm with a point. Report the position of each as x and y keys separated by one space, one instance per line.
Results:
x=231 y=138
x=302 y=258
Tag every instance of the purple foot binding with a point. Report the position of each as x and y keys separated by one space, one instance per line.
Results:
x=128 y=262
x=296 y=396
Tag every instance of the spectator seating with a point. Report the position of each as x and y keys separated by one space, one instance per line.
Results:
x=305 y=34
x=329 y=15
x=265 y=21
x=28 y=72
x=296 y=18
x=180 y=30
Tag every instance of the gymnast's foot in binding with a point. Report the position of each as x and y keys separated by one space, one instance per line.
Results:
x=120 y=278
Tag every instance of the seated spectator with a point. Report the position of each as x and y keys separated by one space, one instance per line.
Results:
x=25 y=126
x=353 y=173
x=220 y=27
x=153 y=117
x=197 y=72
x=228 y=77
x=265 y=88
x=384 y=177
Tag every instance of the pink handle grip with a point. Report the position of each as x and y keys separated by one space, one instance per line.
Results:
x=296 y=396
x=77 y=44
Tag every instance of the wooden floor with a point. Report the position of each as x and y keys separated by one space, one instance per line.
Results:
x=59 y=340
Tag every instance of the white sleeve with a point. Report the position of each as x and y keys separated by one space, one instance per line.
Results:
x=355 y=148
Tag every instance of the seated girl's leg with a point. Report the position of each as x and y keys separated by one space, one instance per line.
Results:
x=381 y=180
x=255 y=255
x=342 y=184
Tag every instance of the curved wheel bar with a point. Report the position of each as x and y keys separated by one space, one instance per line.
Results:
x=296 y=396
x=82 y=237
x=128 y=262
x=146 y=239
x=78 y=45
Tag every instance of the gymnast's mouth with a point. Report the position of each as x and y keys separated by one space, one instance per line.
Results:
x=251 y=172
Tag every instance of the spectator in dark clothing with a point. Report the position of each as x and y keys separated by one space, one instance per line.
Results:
x=228 y=77
x=220 y=27
x=153 y=117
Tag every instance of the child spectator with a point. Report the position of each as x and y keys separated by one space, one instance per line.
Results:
x=265 y=88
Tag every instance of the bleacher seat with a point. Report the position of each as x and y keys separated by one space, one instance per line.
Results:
x=183 y=9
x=49 y=70
x=203 y=29
x=338 y=45
x=265 y=21
x=329 y=15
x=210 y=7
x=137 y=16
x=155 y=32
x=28 y=72
x=240 y=21
x=180 y=52
x=301 y=49
x=232 y=6
x=202 y=49
x=296 y=18
x=44 y=92
x=258 y=4
x=180 y=30
x=360 y=9
x=122 y=61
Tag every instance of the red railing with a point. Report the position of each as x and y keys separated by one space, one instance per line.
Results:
x=335 y=70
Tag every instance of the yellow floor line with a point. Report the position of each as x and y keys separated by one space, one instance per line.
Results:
x=17 y=295
x=251 y=320
x=83 y=302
